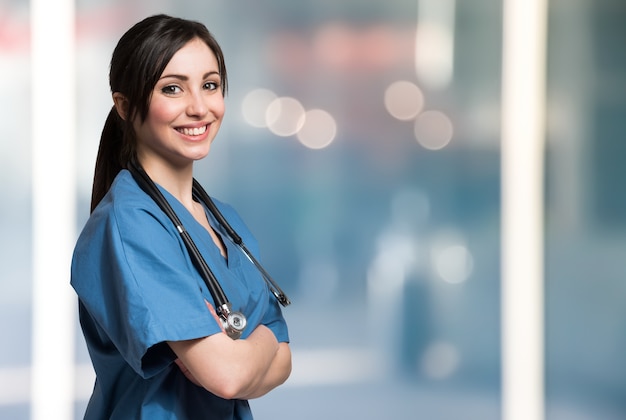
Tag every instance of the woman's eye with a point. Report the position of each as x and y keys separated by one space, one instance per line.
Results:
x=170 y=90
x=211 y=85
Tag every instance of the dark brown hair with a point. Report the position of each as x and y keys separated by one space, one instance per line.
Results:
x=138 y=61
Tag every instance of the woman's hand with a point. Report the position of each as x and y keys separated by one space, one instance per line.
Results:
x=186 y=372
x=215 y=315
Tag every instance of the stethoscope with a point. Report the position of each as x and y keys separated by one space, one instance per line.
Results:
x=234 y=322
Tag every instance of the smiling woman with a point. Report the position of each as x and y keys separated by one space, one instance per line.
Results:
x=160 y=339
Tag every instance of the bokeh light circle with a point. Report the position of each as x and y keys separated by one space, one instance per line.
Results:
x=284 y=116
x=404 y=100
x=319 y=129
x=254 y=106
x=433 y=130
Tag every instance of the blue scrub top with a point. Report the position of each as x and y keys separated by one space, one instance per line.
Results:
x=138 y=289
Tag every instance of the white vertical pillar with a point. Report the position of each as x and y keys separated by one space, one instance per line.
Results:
x=54 y=202
x=523 y=113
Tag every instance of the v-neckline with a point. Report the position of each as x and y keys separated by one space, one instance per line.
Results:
x=218 y=235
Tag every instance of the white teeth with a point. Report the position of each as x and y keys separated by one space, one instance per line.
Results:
x=193 y=131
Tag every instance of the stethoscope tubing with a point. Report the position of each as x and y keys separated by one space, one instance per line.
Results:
x=276 y=290
x=207 y=275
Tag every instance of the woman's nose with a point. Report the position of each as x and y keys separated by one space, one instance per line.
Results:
x=198 y=104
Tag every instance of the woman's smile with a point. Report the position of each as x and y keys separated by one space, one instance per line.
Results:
x=193 y=131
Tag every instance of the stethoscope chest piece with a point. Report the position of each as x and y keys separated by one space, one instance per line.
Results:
x=233 y=322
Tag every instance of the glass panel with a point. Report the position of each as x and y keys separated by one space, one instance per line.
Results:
x=585 y=222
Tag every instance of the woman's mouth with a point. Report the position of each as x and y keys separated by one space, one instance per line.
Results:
x=197 y=131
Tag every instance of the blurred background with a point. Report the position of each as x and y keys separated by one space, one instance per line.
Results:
x=380 y=215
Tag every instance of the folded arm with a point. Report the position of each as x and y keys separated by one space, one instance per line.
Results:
x=235 y=369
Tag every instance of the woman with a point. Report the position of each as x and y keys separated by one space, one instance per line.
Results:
x=156 y=334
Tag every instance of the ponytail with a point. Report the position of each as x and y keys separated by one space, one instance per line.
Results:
x=109 y=161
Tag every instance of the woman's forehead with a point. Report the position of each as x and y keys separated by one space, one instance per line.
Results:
x=194 y=57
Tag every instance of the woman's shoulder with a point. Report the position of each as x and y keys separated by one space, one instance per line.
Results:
x=230 y=214
x=236 y=222
x=123 y=195
x=125 y=192
x=124 y=205
x=125 y=215
x=225 y=208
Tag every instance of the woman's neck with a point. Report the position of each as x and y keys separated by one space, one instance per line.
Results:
x=178 y=181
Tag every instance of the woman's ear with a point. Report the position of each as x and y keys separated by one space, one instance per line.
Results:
x=121 y=105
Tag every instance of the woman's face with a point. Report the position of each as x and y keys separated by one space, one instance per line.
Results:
x=186 y=109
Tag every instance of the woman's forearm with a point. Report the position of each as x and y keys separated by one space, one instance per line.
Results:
x=277 y=374
x=231 y=369
x=261 y=367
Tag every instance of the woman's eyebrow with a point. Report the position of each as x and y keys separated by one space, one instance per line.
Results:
x=185 y=78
